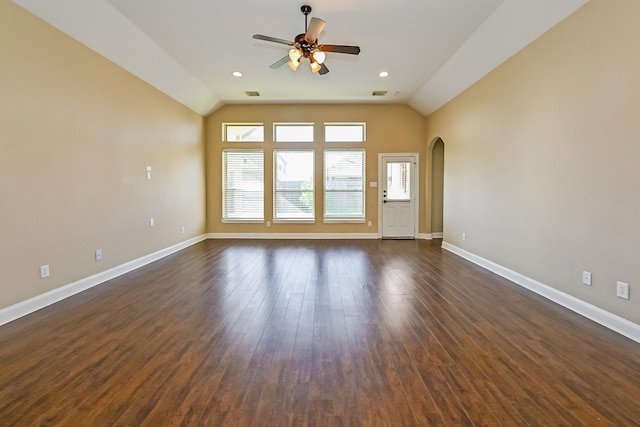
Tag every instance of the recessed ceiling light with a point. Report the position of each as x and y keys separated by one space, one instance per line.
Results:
x=384 y=74
x=236 y=74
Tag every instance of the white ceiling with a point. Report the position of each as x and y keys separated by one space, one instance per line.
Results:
x=433 y=49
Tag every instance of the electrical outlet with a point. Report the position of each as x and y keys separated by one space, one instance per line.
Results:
x=586 y=278
x=622 y=290
x=464 y=236
x=183 y=230
x=369 y=224
x=98 y=254
x=268 y=223
x=151 y=222
x=44 y=271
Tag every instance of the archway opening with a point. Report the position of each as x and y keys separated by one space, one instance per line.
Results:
x=437 y=189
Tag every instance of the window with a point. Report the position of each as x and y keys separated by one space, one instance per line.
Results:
x=300 y=132
x=242 y=185
x=344 y=184
x=293 y=185
x=344 y=132
x=398 y=181
x=243 y=132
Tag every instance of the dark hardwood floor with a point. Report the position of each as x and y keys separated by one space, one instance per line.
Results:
x=323 y=333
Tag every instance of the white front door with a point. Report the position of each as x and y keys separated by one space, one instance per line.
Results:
x=398 y=191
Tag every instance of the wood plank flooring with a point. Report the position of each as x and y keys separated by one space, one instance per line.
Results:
x=314 y=333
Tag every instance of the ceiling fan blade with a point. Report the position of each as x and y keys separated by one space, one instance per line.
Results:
x=280 y=62
x=315 y=28
x=323 y=70
x=272 y=39
x=352 y=50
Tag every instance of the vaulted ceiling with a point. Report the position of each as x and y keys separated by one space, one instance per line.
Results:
x=432 y=49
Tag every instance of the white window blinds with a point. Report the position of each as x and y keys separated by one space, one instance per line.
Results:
x=243 y=185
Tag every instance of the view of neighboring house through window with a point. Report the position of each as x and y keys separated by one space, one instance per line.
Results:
x=293 y=173
x=344 y=184
x=243 y=185
x=243 y=132
x=294 y=185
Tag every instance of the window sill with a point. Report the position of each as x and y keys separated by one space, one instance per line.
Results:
x=344 y=221
x=293 y=221
x=242 y=221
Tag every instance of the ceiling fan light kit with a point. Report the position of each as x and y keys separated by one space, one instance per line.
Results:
x=294 y=65
x=306 y=46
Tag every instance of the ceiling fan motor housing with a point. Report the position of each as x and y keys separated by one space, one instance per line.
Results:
x=306 y=47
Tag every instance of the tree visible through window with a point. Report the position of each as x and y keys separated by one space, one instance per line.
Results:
x=294 y=184
x=344 y=184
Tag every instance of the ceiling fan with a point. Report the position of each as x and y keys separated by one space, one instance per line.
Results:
x=306 y=46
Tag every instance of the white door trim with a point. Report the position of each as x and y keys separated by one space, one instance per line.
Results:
x=416 y=159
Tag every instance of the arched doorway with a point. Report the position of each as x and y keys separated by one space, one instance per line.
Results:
x=437 y=188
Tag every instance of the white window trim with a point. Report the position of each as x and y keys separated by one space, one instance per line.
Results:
x=293 y=221
x=344 y=221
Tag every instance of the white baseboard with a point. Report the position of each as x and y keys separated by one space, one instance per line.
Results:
x=23 y=308
x=437 y=235
x=609 y=320
x=299 y=236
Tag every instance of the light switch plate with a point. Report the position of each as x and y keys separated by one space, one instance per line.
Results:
x=622 y=290
x=586 y=278
x=44 y=271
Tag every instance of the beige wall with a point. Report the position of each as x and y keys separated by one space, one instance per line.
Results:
x=76 y=133
x=542 y=158
x=390 y=128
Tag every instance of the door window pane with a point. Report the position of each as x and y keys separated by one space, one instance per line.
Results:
x=399 y=181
